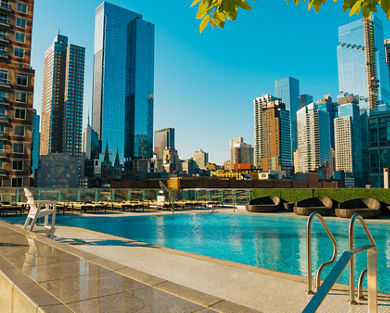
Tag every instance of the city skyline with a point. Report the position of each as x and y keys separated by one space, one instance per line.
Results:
x=177 y=84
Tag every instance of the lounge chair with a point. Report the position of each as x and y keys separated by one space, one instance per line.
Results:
x=323 y=205
x=38 y=209
x=366 y=207
x=265 y=204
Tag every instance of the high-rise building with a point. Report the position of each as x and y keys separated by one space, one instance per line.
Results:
x=87 y=141
x=201 y=158
x=272 y=134
x=313 y=138
x=287 y=89
x=348 y=141
x=240 y=152
x=123 y=83
x=387 y=53
x=305 y=100
x=327 y=105
x=35 y=142
x=16 y=92
x=62 y=98
x=379 y=148
x=362 y=67
x=164 y=138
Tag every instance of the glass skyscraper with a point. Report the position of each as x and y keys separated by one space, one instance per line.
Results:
x=287 y=89
x=122 y=113
x=362 y=67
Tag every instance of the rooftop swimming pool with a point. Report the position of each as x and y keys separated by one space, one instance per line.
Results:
x=272 y=242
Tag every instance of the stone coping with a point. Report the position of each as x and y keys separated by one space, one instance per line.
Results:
x=43 y=287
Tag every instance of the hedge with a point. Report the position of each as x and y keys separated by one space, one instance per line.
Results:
x=340 y=194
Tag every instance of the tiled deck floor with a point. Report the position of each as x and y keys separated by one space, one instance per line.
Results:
x=59 y=278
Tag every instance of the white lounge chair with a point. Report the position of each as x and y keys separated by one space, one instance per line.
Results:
x=38 y=209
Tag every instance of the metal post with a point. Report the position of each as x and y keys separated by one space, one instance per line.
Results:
x=372 y=259
x=360 y=284
x=309 y=280
x=351 y=267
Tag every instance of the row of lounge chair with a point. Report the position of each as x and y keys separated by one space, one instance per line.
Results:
x=366 y=207
x=7 y=208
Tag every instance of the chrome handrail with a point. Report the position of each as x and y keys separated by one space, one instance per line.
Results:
x=372 y=256
x=360 y=284
x=308 y=251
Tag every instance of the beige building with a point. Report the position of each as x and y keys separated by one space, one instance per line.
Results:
x=201 y=158
x=343 y=144
x=16 y=92
x=62 y=98
x=240 y=152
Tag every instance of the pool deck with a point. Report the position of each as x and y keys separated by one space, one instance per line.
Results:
x=152 y=278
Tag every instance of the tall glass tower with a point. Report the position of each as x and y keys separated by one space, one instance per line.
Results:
x=362 y=67
x=288 y=90
x=122 y=112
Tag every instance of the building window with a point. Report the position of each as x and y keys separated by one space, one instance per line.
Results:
x=1 y=146
x=20 y=113
x=17 y=165
x=3 y=77
x=1 y=129
x=3 y=35
x=21 y=97
x=1 y=163
x=3 y=50
x=18 y=148
x=19 y=131
x=17 y=182
x=20 y=37
x=3 y=96
x=19 y=53
x=2 y=110
x=22 y=7
x=20 y=22
x=4 y=18
x=21 y=80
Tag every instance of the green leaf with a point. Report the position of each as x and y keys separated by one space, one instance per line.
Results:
x=244 y=5
x=195 y=2
x=356 y=8
x=204 y=23
x=202 y=10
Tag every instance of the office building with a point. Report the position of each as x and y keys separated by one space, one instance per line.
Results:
x=62 y=98
x=379 y=148
x=313 y=138
x=387 y=53
x=87 y=141
x=123 y=82
x=361 y=59
x=305 y=100
x=201 y=158
x=16 y=92
x=348 y=142
x=240 y=152
x=35 y=142
x=272 y=134
x=164 y=138
x=287 y=89
x=327 y=105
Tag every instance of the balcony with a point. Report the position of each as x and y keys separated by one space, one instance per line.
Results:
x=4 y=54
x=4 y=83
x=4 y=155
x=4 y=39
x=4 y=23
x=4 y=101
x=5 y=7
x=4 y=137
x=4 y=118
x=3 y=172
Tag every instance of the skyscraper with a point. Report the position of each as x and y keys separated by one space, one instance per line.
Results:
x=16 y=92
x=362 y=67
x=123 y=87
x=305 y=100
x=287 y=89
x=272 y=134
x=240 y=152
x=327 y=105
x=313 y=138
x=348 y=141
x=62 y=97
x=163 y=138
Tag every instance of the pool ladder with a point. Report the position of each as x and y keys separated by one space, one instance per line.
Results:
x=346 y=257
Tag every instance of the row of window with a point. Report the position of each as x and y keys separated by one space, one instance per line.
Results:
x=21 y=79
x=20 y=22
x=18 y=52
x=19 y=96
x=17 y=147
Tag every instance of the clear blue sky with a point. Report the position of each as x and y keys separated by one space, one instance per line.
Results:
x=205 y=83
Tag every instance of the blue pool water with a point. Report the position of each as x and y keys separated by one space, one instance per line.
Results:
x=277 y=242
